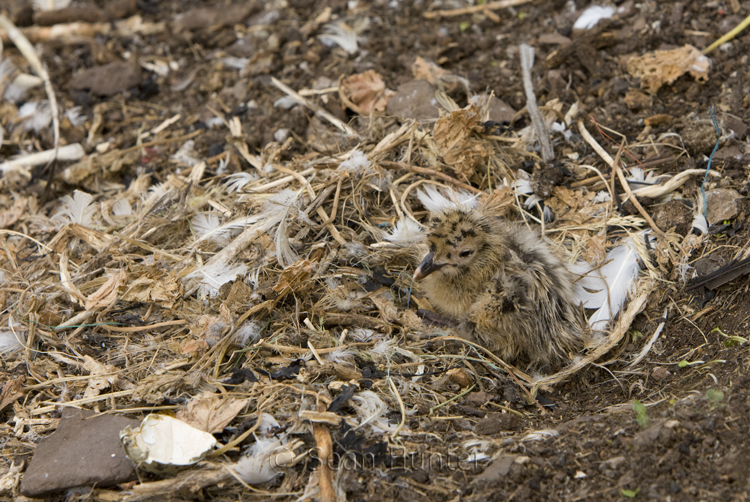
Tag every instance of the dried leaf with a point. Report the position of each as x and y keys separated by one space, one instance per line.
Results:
x=664 y=67
x=107 y=293
x=10 y=216
x=155 y=286
x=12 y=390
x=210 y=412
x=293 y=275
x=453 y=134
x=366 y=92
x=103 y=376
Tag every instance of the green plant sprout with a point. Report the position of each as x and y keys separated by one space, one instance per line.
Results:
x=631 y=494
x=641 y=415
x=730 y=340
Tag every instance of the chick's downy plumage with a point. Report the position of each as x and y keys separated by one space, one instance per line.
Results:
x=505 y=287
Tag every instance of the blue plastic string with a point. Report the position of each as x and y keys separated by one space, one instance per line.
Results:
x=712 y=113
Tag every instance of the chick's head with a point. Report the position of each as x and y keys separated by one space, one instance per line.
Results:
x=461 y=244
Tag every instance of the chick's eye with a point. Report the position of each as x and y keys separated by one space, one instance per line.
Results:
x=464 y=254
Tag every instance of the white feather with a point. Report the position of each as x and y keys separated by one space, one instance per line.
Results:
x=219 y=233
x=619 y=272
x=340 y=34
x=207 y=223
x=369 y=407
x=340 y=355
x=356 y=163
x=532 y=201
x=257 y=465
x=700 y=223
x=602 y=196
x=186 y=154
x=591 y=16
x=284 y=202
x=11 y=341
x=247 y=333
x=522 y=184
x=215 y=276
x=237 y=181
x=122 y=208
x=38 y=115
x=406 y=231
x=77 y=209
x=76 y=116
x=436 y=201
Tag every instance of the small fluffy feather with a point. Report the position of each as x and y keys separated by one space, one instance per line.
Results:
x=11 y=341
x=186 y=154
x=437 y=201
x=18 y=89
x=406 y=231
x=369 y=407
x=340 y=34
x=247 y=333
x=77 y=209
x=38 y=115
x=257 y=465
x=237 y=181
x=214 y=277
x=76 y=116
x=591 y=16
x=122 y=208
x=356 y=163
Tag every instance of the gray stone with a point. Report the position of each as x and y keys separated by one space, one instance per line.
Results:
x=499 y=468
x=498 y=110
x=414 y=100
x=82 y=451
x=495 y=423
x=723 y=204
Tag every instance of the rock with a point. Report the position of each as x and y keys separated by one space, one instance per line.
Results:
x=736 y=125
x=728 y=152
x=699 y=138
x=79 y=453
x=499 y=111
x=635 y=100
x=612 y=463
x=496 y=422
x=202 y=17
x=660 y=373
x=500 y=467
x=709 y=264
x=477 y=398
x=414 y=100
x=674 y=214
x=723 y=204
x=107 y=80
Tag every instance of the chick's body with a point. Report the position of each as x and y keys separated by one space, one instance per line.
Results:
x=505 y=286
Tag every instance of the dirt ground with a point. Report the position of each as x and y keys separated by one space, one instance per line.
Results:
x=587 y=443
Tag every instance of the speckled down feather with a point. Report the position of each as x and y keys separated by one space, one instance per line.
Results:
x=505 y=286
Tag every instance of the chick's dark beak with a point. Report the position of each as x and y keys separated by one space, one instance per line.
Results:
x=426 y=267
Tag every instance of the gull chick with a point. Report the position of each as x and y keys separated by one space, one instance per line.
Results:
x=504 y=285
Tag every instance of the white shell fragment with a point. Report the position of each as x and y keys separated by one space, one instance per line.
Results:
x=163 y=444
